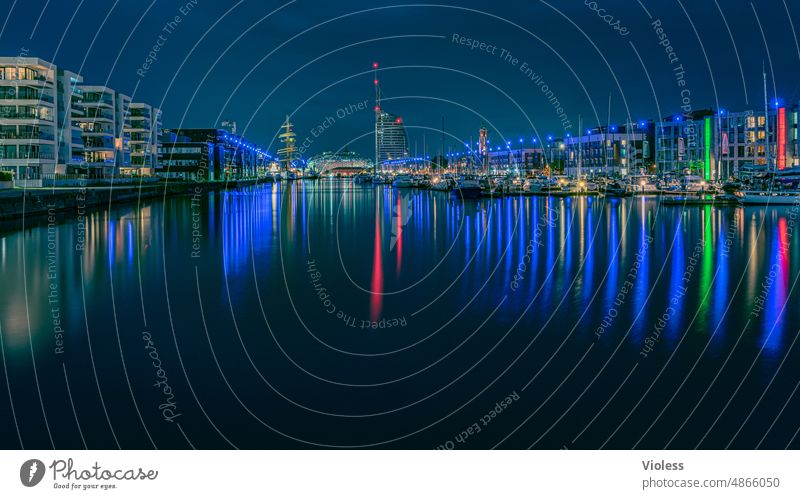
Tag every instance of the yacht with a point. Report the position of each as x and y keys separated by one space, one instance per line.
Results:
x=668 y=185
x=467 y=188
x=272 y=177
x=403 y=181
x=584 y=185
x=694 y=183
x=362 y=178
x=615 y=190
x=778 y=188
x=776 y=197
x=532 y=186
x=514 y=185
x=443 y=183
x=422 y=181
x=641 y=184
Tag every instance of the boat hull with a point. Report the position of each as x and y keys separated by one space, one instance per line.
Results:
x=769 y=199
x=467 y=192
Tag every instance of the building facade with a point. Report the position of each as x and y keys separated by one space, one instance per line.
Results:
x=105 y=128
x=717 y=145
x=70 y=154
x=341 y=163
x=685 y=143
x=743 y=139
x=208 y=154
x=144 y=133
x=391 y=140
x=38 y=102
x=519 y=160
x=609 y=151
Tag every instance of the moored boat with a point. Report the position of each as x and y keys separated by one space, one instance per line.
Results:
x=467 y=188
x=403 y=181
x=768 y=197
x=362 y=178
x=614 y=189
x=533 y=186
x=443 y=183
x=641 y=184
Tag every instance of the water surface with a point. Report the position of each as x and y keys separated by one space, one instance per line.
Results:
x=323 y=314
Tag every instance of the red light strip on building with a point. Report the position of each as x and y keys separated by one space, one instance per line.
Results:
x=781 y=138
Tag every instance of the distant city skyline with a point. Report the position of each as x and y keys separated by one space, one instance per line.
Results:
x=253 y=64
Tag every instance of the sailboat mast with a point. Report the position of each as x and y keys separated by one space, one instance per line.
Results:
x=605 y=136
x=470 y=157
x=441 y=154
x=424 y=150
x=580 y=144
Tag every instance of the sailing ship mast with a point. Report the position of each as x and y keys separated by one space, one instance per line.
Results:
x=288 y=153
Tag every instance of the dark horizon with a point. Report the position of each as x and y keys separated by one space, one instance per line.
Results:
x=255 y=63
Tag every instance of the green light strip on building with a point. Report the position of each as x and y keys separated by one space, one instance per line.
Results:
x=707 y=165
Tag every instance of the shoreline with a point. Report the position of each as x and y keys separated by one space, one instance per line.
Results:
x=17 y=205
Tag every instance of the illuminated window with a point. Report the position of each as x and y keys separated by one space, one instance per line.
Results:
x=751 y=122
x=761 y=121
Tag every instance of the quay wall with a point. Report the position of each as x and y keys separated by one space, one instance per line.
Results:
x=21 y=203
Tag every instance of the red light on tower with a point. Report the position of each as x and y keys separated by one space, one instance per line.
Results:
x=376 y=82
x=398 y=120
x=377 y=109
x=374 y=65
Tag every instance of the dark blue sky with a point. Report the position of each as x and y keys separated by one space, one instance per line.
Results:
x=233 y=60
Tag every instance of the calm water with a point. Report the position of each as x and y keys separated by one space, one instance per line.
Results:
x=326 y=314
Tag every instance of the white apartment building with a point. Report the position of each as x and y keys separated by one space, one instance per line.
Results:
x=105 y=128
x=69 y=110
x=144 y=131
x=28 y=111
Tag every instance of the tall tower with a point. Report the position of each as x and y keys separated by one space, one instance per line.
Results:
x=483 y=152
x=391 y=141
x=288 y=153
x=377 y=114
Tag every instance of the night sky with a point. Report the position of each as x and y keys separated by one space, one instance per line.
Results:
x=255 y=61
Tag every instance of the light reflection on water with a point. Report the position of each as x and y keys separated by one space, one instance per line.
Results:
x=442 y=265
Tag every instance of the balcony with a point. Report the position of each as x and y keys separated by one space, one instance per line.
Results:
x=28 y=156
x=34 y=98
x=25 y=136
x=23 y=115
x=29 y=80
x=97 y=132
x=94 y=101
x=37 y=155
